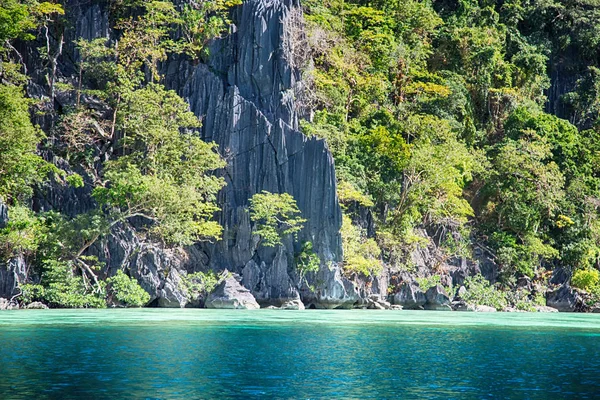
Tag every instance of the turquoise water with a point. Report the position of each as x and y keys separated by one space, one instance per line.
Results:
x=215 y=354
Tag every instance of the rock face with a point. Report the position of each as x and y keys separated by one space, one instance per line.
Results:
x=564 y=298
x=230 y=294
x=437 y=299
x=410 y=297
x=245 y=97
x=12 y=272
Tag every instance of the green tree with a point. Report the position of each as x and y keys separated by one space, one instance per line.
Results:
x=275 y=215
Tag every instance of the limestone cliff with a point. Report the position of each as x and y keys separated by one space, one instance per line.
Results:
x=244 y=94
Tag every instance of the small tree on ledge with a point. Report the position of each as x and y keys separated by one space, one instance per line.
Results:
x=275 y=215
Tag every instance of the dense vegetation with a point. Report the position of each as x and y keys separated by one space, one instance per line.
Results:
x=449 y=121
x=460 y=122
x=134 y=142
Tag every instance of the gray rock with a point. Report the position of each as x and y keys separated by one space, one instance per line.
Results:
x=243 y=95
x=36 y=305
x=231 y=295
x=546 y=309
x=462 y=291
x=410 y=296
x=3 y=214
x=564 y=298
x=437 y=299
x=481 y=308
x=462 y=306
x=6 y=304
x=293 y=305
x=396 y=307
x=12 y=272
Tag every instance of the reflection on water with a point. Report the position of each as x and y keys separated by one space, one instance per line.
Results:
x=313 y=354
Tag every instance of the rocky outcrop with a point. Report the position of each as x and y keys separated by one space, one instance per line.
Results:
x=564 y=298
x=437 y=299
x=36 y=305
x=332 y=290
x=244 y=95
x=6 y=304
x=410 y=296
x=375 y=302
x=12 y=272
x=230 y=294
x=293 y=305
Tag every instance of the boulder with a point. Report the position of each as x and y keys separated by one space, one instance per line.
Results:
x=545 y=309
x=462 y=306
x=334 y=290
x=481 y=308
x=564 y=299
x=36 y=305
x=437 y=299
x=375 y=302
x=230 y=294
x=293 y=305
x=395 y=307
x=5 y=304
x=410 y=296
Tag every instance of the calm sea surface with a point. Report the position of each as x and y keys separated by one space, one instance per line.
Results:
x=213 y=354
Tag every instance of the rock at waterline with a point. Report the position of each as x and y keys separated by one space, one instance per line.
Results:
x=563 y=299
x=36 y=305
x=293 y=305
x=230 y=294
x=410 y=296
x=437 y=299
x=5 y=304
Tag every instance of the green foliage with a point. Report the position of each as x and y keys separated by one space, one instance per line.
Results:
x=275 y=215
x=428 y=282
x=480 y=292
x=202 y=21
x=127 y=290
x=21 y=236
x=361 y=254
x=20 y=166
x=164 y=175
x=307 y=260
x=63 y=289
x=586 y=279
x=199 y=284
x=15 y=21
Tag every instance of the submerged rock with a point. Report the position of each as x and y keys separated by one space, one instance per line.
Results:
x=229 y=294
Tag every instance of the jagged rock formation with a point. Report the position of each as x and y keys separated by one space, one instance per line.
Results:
x=564 y=298
x=13 y=270
x=231 y=295
x=244 y=94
